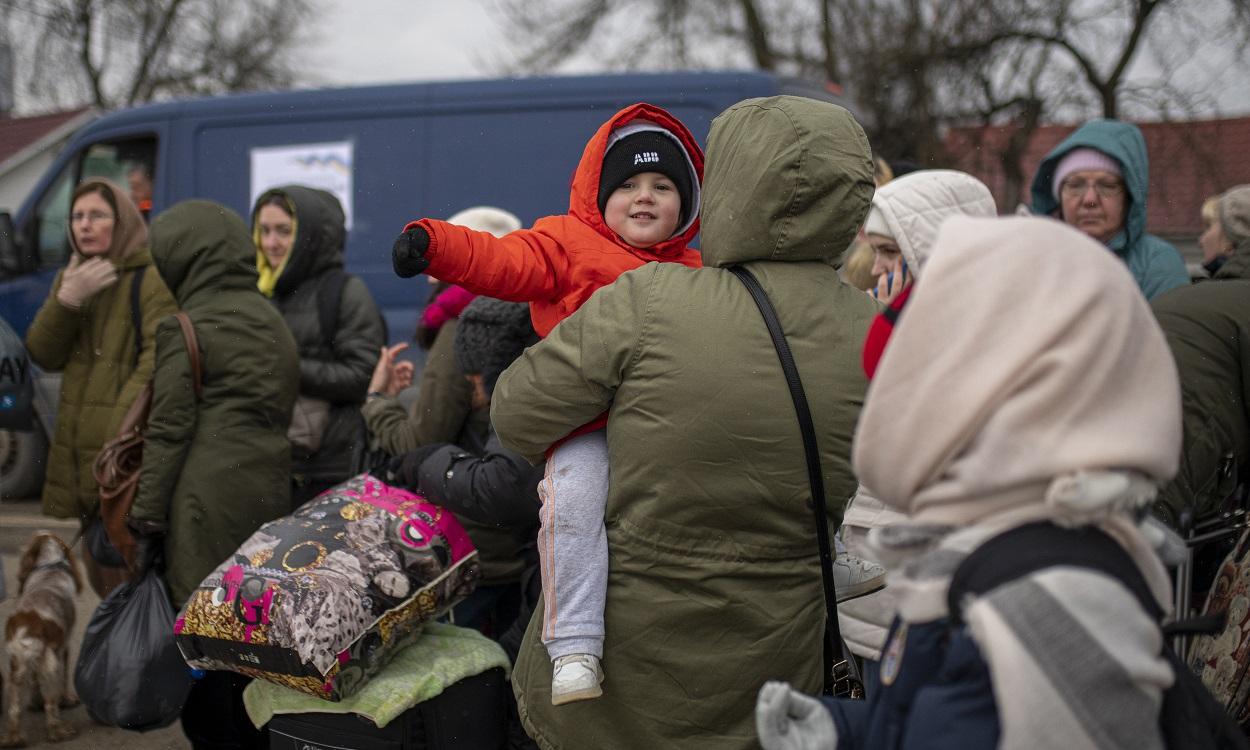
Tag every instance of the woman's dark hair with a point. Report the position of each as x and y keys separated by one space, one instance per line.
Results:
x=276 y=199
x=87 y=188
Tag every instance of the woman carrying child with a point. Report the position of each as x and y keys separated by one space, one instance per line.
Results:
x=634 y=200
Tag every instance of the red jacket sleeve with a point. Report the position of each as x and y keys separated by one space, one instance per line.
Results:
x=522 y=266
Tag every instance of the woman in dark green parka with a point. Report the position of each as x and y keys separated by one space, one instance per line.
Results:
x=215 y=470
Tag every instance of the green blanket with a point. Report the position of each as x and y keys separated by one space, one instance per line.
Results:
x=442 y=655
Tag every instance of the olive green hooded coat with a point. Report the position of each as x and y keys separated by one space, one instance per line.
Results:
x=94 y=349
x=714 y=580
x=1208 y=330
x=216 y=469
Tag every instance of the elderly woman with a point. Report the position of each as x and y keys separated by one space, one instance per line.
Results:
x=1226 y=242
x=1096 y=180
x=97 y=327
x=1002 y=422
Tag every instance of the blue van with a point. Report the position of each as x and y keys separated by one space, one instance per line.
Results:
x=391 y=154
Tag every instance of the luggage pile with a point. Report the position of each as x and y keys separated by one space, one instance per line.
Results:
x=319 y=600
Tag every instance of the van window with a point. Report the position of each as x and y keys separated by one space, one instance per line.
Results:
x=130 y=163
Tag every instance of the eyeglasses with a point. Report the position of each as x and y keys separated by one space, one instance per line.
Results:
x=1104 y=188
x=91 y=217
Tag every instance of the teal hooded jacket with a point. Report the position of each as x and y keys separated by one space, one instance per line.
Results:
x=1155 y=264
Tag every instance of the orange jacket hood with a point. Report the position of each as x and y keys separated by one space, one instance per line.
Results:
x=584 y=191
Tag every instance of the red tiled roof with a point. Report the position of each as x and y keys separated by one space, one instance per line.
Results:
x=1189 y=161
x=17 y=133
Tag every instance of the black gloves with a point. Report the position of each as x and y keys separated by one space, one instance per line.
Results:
x=408 y=253
x=405 y=471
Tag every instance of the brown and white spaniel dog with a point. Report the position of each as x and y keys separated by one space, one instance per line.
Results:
x=37 y=636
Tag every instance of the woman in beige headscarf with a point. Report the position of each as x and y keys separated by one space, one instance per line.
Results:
x=97 y=328
x=1026 y=382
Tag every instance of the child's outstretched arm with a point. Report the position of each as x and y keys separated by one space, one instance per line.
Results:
x=522 y=266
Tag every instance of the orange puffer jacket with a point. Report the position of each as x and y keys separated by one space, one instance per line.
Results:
x=562 y=260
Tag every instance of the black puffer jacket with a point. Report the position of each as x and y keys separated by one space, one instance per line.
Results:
x=498 y=487
x=336 y=368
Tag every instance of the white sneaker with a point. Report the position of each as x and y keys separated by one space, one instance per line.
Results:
x=854 y=577
x=575 y=677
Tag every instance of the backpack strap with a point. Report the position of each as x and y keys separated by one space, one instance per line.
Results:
x=1037 y=546
x=835 y=670
x=329 y=299
x=136 y=309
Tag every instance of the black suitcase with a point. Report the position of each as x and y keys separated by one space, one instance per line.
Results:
x=471 y=714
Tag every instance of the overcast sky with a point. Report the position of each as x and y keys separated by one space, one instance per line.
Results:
x=378 y=41
x=375 y=41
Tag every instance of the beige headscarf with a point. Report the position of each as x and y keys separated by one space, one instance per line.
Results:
x=129 y=231
x=1025 y=356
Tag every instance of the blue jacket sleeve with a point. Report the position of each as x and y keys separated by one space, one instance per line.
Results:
x=1165 y=268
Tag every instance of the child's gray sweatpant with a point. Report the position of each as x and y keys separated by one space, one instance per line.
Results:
x=573 y=546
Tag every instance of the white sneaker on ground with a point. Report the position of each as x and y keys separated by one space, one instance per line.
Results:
x=575 y=677
x=854 y=577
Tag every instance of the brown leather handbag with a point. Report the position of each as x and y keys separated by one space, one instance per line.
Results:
x=118 y=463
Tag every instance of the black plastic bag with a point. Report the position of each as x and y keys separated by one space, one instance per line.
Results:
x=130 y=673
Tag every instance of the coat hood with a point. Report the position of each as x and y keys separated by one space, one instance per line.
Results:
x=912 y=207
x=584 y=192
x=129 y=231
x=788 y=179
x=1121 y=141
x=320 y=231
x=200 y=246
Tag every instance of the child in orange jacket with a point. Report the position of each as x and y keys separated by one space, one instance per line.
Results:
x=634 y=200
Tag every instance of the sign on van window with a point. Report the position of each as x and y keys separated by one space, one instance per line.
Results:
x=320 y=165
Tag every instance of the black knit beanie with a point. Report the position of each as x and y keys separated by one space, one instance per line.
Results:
x=647 y=151
x=490 y=335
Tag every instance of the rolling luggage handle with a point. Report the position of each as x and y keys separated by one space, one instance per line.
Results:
x=840 y=675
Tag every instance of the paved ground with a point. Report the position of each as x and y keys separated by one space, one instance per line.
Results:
x=18 y=520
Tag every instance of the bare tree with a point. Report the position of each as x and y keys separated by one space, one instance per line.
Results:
x=119 y=53
x=912 y=67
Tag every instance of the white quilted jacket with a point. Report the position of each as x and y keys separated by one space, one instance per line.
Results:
x=912 y=208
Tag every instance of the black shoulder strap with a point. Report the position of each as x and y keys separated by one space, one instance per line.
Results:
x=136 y=309
x=1028 y=549
x=329 y=297
x=808 y=430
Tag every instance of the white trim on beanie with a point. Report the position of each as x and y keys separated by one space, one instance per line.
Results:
x=1080 y=160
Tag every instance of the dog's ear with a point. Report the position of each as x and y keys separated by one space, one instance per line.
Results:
x=73 y=563
x=30 y=558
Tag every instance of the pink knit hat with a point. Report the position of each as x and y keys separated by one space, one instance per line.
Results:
x=1080 y=160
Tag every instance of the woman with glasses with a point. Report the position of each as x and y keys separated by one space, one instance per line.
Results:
x=1096 y=180
x=96 y=327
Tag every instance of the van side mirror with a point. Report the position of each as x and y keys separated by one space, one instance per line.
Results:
x=9 y=260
